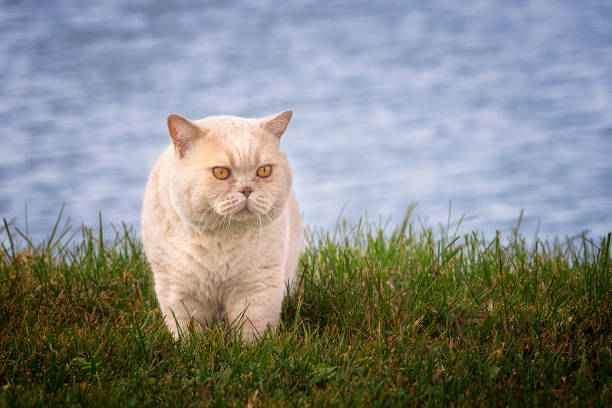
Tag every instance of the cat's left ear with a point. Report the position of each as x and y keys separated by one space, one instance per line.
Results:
x=184 y=133
x=277 y=124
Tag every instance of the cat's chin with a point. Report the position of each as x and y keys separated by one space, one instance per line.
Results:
x=238 y=221
x=246 y=216
x=247 y=219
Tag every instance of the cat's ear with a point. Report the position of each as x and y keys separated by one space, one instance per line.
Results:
x=277 y=124
x=184 y=133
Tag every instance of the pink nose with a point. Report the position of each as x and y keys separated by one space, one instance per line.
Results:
x=246 y=191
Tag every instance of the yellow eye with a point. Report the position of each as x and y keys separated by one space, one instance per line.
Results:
x=221 y=173
x=264 y=171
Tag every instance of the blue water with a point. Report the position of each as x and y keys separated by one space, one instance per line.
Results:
x=498 y=106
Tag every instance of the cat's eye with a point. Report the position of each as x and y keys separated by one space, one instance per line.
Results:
x=221 y=173
x=264 y=171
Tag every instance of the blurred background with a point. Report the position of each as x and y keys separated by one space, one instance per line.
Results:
x=498 y=106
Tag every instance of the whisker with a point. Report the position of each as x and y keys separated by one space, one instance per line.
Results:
x=269 y=217
x=217 y=227
x=226 y=226
x=259 y=241
x=211 y=215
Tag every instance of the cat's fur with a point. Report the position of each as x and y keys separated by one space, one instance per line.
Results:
x=222 y=247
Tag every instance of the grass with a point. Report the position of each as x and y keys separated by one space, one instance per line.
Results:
x=403 y=318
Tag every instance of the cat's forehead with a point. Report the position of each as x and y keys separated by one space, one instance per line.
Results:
x=233 y=130
x=236 y=141
x=227 y=123
x=240 y=148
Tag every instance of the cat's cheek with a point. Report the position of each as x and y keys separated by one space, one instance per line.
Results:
x=279 y=196
x=278 y=186
x=182 y=206
x=188 y=199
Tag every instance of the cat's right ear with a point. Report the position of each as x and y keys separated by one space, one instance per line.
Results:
x=184 y=133
x=277 y=124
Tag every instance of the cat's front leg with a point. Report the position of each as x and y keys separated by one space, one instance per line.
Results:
x=255 y=309
x=180 y=311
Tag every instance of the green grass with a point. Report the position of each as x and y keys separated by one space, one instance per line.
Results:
x=407 y=317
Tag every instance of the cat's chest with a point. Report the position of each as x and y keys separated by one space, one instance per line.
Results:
x=221 y=260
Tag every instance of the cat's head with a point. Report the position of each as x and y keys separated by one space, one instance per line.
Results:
x=228 y=172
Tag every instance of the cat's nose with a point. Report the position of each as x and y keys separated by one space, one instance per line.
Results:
x=246 y=191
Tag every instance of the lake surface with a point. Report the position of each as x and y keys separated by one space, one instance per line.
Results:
x=498 y=106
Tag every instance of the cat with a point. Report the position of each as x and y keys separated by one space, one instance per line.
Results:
x=221 y=227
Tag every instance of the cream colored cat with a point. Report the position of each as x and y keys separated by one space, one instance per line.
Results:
x=221 y=226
